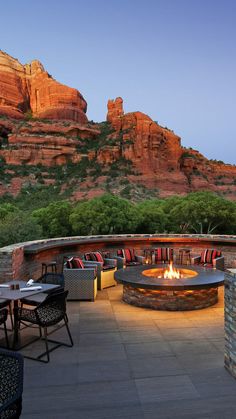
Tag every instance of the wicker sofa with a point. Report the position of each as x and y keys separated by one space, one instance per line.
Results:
x=127 y=257
x=81 y=282
x=106 y=268
x=211 y=258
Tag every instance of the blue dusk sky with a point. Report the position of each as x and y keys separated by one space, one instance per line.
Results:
x=174 y=60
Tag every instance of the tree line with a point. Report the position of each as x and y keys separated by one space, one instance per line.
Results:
x=33 y=217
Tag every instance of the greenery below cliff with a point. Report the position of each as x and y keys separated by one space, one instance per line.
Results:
x=42 y=213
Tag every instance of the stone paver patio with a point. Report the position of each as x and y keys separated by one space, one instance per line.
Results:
x=133 y=363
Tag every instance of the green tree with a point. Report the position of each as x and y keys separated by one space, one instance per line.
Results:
x=6 y=209
x=54 y=219
x=104 y=215
x=18 y=227
x=204 y=213
x=152 y=217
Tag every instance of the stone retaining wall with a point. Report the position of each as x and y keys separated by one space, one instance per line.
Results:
x=230 y=321
x=24 y=260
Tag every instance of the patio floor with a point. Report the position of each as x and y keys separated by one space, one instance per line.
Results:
x=134 y=363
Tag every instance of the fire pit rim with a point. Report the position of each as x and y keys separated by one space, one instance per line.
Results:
x=206 y=278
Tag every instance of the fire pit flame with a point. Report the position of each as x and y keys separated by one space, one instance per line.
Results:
x=171 y=273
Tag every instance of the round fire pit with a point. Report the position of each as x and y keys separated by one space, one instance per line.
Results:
x=145 y=286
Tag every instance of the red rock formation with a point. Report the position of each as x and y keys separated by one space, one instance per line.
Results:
x=161 y=161
x=26 y=89
x=40 y=143
x=153 y=154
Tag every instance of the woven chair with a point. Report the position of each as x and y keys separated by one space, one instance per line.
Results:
x=3 y=320
x=48 y=278
x=210 y=258
x=49 y=313
x=4 y=303
x=127 y=257
x=106 y=268
x=80 y=279
x=11 y=384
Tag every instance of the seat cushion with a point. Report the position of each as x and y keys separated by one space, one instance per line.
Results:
x=108 y=267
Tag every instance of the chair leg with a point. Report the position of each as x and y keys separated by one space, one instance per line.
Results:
x=68 y=330
x=45 y=333
x=6 y=335
x=11 y=317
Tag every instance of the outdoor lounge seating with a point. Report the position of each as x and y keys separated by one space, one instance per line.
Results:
x=49 y=313
x=48 y=278
x=163 y=255
x=106 y=268
x=80 y=279
x=5 y=303
x=3 y=320
x=127 y=257
x=11 y=384
x=211 y=258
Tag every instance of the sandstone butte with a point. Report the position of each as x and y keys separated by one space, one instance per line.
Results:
x=43 y=122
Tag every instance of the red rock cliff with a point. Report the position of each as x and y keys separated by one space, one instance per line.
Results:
x=29 y=88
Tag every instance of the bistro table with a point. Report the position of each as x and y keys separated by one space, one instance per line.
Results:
x=16 y=295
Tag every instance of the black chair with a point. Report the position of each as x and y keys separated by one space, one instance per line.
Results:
x=48 y=278
x=7 y=303
x=11 y=384
x=3 y=320
x=49 y=313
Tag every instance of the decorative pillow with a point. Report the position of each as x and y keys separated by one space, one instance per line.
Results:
x=207 y=256
x=127 y=254
x=69 y=263
x=74 y=263
x=94 y=256
x=163 y=254
x=77 y=263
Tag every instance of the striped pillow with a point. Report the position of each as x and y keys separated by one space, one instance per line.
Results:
x=69 y=263
x=94 y=256
x=74 y=263
x=207 y=256
x=127 y=254
x=77 y=263
x=163 y=254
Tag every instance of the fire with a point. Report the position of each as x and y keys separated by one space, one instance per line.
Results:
x=171 y=273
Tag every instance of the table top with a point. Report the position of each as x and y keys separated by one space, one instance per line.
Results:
x=205 y=278
x=7 y=293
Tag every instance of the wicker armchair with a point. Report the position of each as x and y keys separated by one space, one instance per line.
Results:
x=80 y=279
x=106 y=268
x=49 y=313
x=127 y=257
x=211 y=258
x=11 y=384
x=3 y=320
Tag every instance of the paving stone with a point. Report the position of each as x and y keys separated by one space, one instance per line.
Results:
x=159 y=389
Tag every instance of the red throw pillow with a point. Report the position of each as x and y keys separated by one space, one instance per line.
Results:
x=98 y=257
x=77 y=263
x=207 y=256
x=69 y=263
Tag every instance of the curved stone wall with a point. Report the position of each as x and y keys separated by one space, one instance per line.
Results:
x=24 y=260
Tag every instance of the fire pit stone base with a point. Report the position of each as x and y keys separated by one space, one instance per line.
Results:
x=170 y=300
